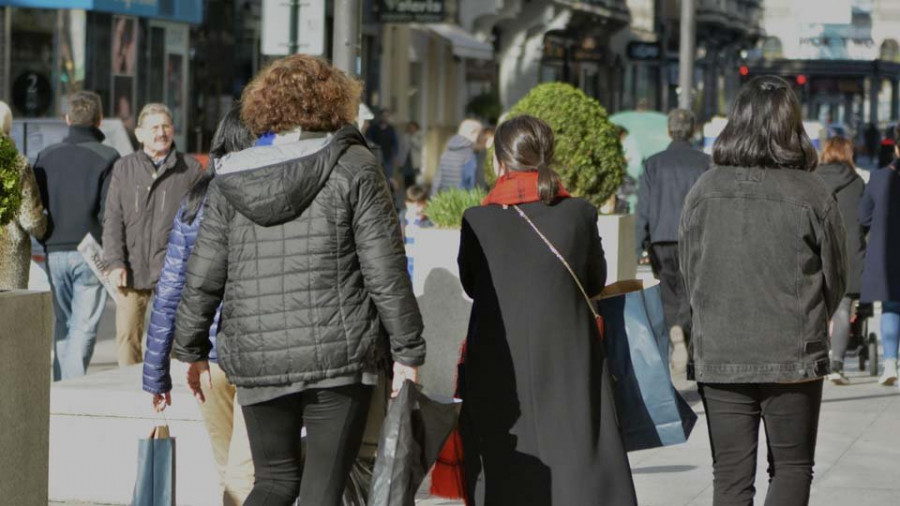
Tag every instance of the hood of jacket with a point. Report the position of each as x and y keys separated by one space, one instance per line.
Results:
x=459 y=143
x=275 y=184
x=837 y=176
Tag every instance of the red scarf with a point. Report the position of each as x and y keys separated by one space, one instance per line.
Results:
x=518 y=188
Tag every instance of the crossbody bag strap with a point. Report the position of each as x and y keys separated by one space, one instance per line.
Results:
x=562 y=259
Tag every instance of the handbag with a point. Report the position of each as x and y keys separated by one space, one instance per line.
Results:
x=155 y=483
x=598 y=318
x=652 y=413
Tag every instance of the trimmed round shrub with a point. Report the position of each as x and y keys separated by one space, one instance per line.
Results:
x=10 y=180
x=588 y=155
x=446 y=208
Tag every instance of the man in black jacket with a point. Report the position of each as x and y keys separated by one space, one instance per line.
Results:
x=73 y=177
x=667 y=179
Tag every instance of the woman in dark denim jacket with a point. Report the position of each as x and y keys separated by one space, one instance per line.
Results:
x=763 y=258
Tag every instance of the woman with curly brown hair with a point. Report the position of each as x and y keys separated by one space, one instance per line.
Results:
x=301 y=243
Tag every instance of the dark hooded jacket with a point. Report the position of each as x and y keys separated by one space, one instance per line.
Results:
x=846 y=185
x=304 y=247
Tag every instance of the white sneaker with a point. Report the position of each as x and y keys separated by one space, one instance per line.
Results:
x=889 y=377
x=838 y=378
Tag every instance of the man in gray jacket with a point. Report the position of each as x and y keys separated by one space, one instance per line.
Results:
x=144 y=195
x=668 y=177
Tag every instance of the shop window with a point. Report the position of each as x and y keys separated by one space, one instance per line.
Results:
x=31 y=63
x=890 y=50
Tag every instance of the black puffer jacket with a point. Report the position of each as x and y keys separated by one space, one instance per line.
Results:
x=303 y=243
x=848 y=187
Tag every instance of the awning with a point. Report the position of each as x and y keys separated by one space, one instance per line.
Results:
x=184 y=11
x=465 y=45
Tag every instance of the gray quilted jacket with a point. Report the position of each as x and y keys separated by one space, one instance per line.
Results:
x=302 y=243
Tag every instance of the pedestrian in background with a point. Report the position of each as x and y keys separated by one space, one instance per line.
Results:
x=667 y=178
x=29 y=220
x=225 y=424
x=879 y=214
x=841 y=178
x=458 y=165
x=482 y=148
x=409 y=154
x=539 y=422
x=383 y=134
x=301 y=244
x=762 y=252
x=144 y=195
x=74 y=176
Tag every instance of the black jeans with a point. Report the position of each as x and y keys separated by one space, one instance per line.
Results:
x=334 y=419
x=676 y=306
x=791 y=415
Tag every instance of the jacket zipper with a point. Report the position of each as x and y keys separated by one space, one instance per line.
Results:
x=137 y=195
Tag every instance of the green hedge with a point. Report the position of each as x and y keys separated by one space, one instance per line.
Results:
x=446 y=209
x=588 y=153
x=10 y=180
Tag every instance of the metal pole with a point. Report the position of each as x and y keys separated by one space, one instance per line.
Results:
x=294 y=42
x=688 y=50
x=346 y=35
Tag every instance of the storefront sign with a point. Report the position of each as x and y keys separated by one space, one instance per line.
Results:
x=32 y=94
x=410 y=11
x=644 y=51
x=184 y=11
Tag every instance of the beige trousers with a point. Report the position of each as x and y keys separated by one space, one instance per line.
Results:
x=228 y=435
x=131 y=318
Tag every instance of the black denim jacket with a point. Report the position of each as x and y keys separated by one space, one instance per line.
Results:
x=763 y=260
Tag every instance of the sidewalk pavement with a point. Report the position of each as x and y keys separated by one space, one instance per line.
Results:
x=857 y=456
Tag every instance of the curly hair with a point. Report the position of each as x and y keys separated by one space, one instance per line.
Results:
x=300 y=91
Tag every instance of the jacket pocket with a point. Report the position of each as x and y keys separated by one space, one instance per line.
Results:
x=163 y=207
x=137 y=194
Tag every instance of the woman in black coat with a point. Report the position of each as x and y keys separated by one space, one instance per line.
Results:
x=539 y=419
x=879 y=213
x=837 y=171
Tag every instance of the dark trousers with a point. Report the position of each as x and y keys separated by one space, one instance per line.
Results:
x=334 y=419
x=676 y=305
x=791 y=416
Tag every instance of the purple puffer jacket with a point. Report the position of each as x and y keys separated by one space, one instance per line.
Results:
x=168 y=293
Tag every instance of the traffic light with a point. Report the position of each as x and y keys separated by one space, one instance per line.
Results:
x=801 y=79
x=744 y=71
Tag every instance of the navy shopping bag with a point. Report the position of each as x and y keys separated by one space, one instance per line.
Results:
x=155 y=483
x=651 y=412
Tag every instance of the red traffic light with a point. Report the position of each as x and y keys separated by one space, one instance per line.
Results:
x=744 y=70
x=801 y=79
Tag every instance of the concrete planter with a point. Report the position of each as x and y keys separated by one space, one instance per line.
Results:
x=27 y=327
x=445 y=307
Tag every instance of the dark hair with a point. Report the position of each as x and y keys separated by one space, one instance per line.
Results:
x=838 y=150
x=85 y=109
x=231 y=135
x=526 y=143
x=416 y=193
x=681 y=124
x=765 y=129
x=300 y=91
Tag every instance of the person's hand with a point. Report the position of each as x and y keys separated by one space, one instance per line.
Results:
x=119 y=277
x=197 y=375
x=401 y=374
x=160 y=401
x=644 y=260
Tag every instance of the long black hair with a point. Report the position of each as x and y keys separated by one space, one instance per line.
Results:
x=526 y=143
x=765 y=129
x=231 y=135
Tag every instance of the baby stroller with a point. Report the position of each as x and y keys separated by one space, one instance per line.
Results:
x=863 y=337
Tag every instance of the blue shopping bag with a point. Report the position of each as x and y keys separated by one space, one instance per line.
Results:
x=651 y=411
x=155 y=483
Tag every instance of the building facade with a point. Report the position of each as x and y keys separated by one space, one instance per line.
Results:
x=843 y=57
x=130 y=53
